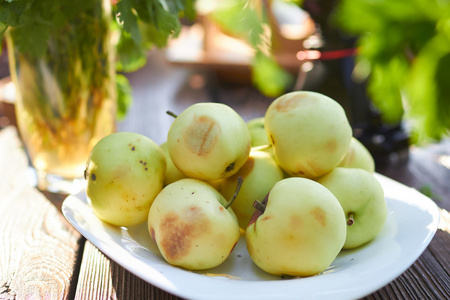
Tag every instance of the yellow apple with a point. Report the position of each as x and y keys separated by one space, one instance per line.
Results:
x=362 y=198
x=301 y=230
x=125 y=172
x=208 y=141
x=191 y=225
x=172 y=172
x=358 y=157
x=258 y=132
x=259 y=174
x=309 y=133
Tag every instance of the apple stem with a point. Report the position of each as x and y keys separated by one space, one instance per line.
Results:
x=259 y=206
x=171 y=114
x=350 y=219
x=236 y=192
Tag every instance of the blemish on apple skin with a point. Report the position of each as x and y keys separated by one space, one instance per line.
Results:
x=295 y=221
x=152 y=234
x=331 y=145
x=176 y=238
x=287 y=103
x=319 y=214
x=178 y=234
x=299 y=173
x=202 y=135
x=230 y=167
x=93 y=177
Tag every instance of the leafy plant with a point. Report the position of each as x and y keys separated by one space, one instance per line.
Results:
x=404 y=51
x=142 y=24
x=246 y=20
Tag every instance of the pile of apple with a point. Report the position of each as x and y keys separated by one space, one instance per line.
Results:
x=295 y=182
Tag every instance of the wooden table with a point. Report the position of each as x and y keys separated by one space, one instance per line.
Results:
x=43 y=257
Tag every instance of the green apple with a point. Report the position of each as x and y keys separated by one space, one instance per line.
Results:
x=124 y=172
x=192 y=225
x=208 y=141
x=259 y=174
x=362 y=198
x=300 y=232
x=358 y=157
x=309 y=133
x=172 y=172
x=258 y=132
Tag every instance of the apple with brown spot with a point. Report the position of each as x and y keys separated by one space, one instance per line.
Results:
x=301 y=230
x=208 y=141
x=193 y=225
x=309 y=133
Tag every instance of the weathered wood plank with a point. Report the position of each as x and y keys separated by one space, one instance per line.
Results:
x=95 y=275
x=102 y=278
x=38 y=246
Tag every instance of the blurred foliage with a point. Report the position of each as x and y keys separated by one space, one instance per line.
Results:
x=247 y=20
x=404 y=52
x=140 y=24
x=145 y=24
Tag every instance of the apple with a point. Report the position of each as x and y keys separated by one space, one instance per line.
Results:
x=362 y=198
x=209 y=141
x=258 y=132
x=260 y=172
x=301 y=230
x=358 y=157
x=124 y=172
x=172 y=172
x=309 y=133
x=192 y=225
x=216 y=184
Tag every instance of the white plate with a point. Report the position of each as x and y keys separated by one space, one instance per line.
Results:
x=411 y=224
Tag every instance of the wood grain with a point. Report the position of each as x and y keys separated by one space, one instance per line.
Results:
x=38 y=246
x=102 y=278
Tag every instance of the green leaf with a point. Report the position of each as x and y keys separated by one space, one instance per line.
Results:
x=428 y=89
x=124 y=96
x=269 y=77
x=32 y=39
x=240 y=19
x=406 y=45
x=130 y=56
x=125 y=13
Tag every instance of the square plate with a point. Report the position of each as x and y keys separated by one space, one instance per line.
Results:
x=411 y=224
